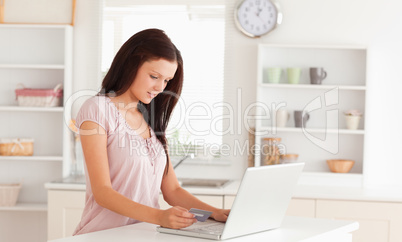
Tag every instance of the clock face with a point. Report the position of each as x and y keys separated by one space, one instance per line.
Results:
x=257 y=17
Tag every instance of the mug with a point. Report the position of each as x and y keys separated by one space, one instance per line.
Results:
x=317 y=75
x=282 y=117
x=293 y=75
x=301 y=118
x=273 y=74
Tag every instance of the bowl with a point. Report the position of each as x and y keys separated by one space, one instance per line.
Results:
x=340 y=165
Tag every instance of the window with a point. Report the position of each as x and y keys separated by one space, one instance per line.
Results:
x=198 y=31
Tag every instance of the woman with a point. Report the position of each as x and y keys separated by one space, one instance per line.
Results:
x=122 y=132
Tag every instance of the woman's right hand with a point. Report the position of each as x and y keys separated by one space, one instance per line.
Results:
x=176 y=218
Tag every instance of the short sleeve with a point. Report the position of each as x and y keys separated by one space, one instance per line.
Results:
x=94 y=109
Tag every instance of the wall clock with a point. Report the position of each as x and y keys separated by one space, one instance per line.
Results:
x=256 y=18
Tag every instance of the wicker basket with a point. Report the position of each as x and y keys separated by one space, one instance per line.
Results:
x=16 y=147
x=9 y=194
x=39 y=97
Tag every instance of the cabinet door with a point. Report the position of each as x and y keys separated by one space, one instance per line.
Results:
x=228 y=201
x=301 y=207
x=162 y=203
x=216 y=201
x=64 y=212
x=379 y=222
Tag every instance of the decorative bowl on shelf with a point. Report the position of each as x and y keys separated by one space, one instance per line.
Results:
x=340 y=165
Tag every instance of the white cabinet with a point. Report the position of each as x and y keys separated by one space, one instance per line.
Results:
x=162 y=203
x=301 y=207
x=297 y=207
x=325 y=135
x=216 y=201
x=228 y=201
x=65 y=210
x=213 y=200
x=37 y=56
x=379 y=221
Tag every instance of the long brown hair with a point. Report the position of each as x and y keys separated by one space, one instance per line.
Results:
x=149 y=44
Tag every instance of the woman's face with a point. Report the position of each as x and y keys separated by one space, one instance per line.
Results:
x=151 y=79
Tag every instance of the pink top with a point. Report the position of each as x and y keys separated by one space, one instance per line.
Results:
x=136 y=165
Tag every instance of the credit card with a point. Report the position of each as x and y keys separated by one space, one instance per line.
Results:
x=200 y=215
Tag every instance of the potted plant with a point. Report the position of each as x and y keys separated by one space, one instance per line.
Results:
x=353 y=117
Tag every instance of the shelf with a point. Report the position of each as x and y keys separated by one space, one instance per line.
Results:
x=344 y=88
x=313 y=47
x=32 y=66
x=310 y=86
x=31 y=109
x=26 y=207
x=37 y=26
x=31 y=158
x=314 y=130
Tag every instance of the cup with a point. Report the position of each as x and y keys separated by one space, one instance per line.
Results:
x=317 y=75
x=293 y=75
x=273 y=74
x=352 y=122
x=282 y=117
x=301 y=118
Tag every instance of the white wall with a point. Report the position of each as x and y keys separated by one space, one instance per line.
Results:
x=87 y=46
x=375 y=24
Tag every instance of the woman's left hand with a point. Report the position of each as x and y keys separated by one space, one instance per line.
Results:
x=221 y=215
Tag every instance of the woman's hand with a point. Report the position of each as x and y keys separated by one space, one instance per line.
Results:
x=176 y=218
x=221 y=215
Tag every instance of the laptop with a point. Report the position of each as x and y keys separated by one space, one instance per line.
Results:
x=260 y=204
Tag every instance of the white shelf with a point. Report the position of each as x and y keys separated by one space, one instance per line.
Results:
x=31 y=109
x=302 y=46
x=310 y=86
x=31 y=158
x=344 y=88
x=26 y=207
x=32 y=66
x=313 y=130
x=38 y=26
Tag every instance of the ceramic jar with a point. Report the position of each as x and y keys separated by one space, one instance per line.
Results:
x=352 y=122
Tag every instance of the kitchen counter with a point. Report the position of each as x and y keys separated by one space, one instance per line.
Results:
x=370 y=206
x=292 y=229
x=380 y=194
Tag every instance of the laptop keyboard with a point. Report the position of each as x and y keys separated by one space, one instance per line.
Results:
x=206 y=227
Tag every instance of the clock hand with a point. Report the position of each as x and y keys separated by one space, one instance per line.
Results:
x=258 y=15
x=259 y=11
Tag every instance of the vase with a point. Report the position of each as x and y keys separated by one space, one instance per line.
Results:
x=352 y=122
